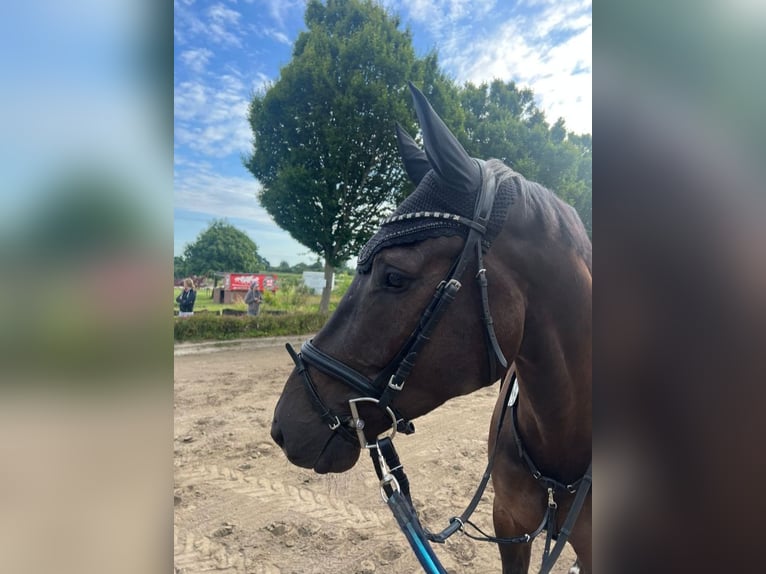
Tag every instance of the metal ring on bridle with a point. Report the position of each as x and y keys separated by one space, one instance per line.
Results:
x=358 y=424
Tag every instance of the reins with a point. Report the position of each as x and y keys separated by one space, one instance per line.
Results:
x=394 y=486
x=382 y=390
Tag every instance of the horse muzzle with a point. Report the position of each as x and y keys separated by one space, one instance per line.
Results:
x=321 y=449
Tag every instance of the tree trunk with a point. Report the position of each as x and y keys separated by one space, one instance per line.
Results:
x=324 y=306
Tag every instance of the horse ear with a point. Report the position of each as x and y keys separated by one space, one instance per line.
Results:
x=415 y=161
x=456 y=169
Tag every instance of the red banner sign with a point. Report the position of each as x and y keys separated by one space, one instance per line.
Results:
x=242 y=281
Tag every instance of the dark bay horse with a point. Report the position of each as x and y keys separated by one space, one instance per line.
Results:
x=478 y=272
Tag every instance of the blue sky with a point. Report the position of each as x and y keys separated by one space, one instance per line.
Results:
x=226 y=50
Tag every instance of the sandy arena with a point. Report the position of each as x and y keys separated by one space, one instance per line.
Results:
x=241 y=507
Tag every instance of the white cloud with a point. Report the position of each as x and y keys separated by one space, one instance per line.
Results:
x=439 y=13
x=280 y=37
x=563 y=92
x=211 y=118
x=189 y=98
x=280 y=10
x=559 y=74
x=218 y=25
x=196 y=59
x=565 y=15
x=197 y=187
x=223 y=25
x=542 y=44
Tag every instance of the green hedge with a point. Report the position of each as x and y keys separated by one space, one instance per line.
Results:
x=210 y=327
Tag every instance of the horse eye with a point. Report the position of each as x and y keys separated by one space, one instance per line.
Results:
x=394 y=279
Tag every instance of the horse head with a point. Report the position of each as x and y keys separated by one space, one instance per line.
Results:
x=415 y=327
x=400 y=271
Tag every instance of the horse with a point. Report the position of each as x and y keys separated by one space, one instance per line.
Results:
x=415 y=329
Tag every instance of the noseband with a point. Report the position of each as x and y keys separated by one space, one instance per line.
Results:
x=383 y=388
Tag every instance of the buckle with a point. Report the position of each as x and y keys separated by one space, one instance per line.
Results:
x=454 y=286
x=394 y=386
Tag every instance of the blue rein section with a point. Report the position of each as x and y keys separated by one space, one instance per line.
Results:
x=413 y=531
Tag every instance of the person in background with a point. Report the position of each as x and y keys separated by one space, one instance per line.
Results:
x=186 y=299
x=253 y=299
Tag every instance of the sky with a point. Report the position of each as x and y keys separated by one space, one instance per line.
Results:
x=227 y=50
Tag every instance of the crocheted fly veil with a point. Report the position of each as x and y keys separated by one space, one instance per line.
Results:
x=448 y=182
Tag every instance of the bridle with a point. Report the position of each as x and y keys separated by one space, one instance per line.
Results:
x=383 y=388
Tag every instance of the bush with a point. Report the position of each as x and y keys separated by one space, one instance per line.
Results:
x=209 y=327
x=292 y=295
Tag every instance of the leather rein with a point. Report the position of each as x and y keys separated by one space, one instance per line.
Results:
x=382 y=390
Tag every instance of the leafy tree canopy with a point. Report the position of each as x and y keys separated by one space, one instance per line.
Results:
x=179 y=267
x=220 y=248
x=503 y=121
x=324 y=147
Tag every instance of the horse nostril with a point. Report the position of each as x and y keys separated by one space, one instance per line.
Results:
x=276 y=434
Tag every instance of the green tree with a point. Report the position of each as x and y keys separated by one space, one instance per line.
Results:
x=283 y=267
x=179 y=267
x=503 y=121
x=220 y=248
x=263 y=264
x=324 y=147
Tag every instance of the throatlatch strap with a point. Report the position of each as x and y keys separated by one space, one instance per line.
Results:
x=493 y=347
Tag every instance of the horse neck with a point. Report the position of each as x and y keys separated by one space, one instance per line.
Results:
x=554 y=363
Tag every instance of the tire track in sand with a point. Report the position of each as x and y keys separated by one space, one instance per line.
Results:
x=316 y=506
x=196 y=553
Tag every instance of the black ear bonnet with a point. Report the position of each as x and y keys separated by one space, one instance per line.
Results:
x=430 y=196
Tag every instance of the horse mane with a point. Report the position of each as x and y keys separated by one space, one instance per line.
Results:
x=545 y=213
